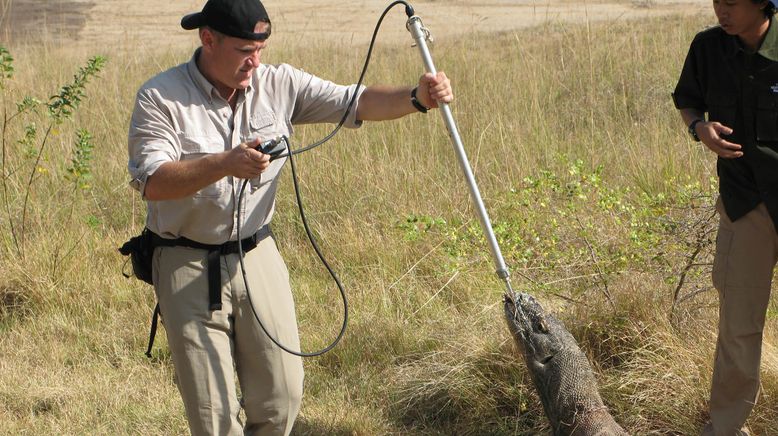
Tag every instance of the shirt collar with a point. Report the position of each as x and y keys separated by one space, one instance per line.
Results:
x=769 y=48
x=199 y=80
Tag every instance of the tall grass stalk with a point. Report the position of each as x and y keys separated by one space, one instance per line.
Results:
x=584 y=166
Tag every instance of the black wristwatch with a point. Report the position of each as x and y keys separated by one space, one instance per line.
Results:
x=692 y=129
x=416 y=103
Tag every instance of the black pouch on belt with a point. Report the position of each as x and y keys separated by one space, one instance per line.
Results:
x=140 y=249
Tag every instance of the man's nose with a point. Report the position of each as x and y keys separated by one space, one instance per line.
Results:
x=253 y=60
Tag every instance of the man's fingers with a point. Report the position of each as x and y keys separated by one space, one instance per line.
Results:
x=431 y=79
x=434 y=82
x=728 y=154
x=252 y=143
x=253 y=155
x=440 y=83
x=727 y=150
x=729 y=145
x=247 y=162
x=722 y=129
x=443 y=95
x=438 y=88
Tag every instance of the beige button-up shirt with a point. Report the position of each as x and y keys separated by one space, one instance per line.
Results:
x=179 y=115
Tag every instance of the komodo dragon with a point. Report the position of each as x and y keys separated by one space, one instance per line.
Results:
x=560 y=371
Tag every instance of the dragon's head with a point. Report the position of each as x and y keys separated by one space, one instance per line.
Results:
x=538 y=334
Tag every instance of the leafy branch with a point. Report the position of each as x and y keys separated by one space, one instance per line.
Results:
x=569 y=232
x=59 y=108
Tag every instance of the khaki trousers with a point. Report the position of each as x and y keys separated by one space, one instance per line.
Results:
x=209 y=347
x=746 y=252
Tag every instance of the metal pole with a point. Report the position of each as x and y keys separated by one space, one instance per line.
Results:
x=420 y=35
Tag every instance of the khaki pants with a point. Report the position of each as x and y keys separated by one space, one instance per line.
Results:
x=746 y=252
x=209 y=347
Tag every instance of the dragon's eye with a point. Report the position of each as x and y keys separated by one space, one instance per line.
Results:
x=542 y=325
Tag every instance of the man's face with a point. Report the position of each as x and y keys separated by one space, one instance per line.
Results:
x=233 y=60
x=738 y=17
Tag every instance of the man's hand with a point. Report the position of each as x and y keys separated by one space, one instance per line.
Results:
x=245 y=162
x=382 y=102
x=180 y=179
x=709 y=133
x=434 y=88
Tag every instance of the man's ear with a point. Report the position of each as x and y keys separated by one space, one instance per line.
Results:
x=207 y=38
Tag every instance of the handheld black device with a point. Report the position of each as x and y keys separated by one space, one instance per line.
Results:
x=274 y=147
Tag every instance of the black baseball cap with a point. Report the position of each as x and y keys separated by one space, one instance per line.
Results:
x=231 y=17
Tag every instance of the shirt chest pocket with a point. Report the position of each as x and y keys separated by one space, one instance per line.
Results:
x=767 y=118
x=266 y=126
x=199 y=146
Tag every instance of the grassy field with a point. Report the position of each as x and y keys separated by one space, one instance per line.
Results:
x=602 y=205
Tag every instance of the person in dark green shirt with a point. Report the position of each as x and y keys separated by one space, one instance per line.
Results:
x=731 y=74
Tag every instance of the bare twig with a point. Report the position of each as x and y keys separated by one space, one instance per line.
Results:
x=596 y=263
x=3 y=165
x=28 y=188
x=700 y=242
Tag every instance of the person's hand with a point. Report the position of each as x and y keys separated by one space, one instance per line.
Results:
x=710 y=135
x=245 y=162
x=434 y=88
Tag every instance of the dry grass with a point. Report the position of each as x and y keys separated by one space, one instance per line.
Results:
x=427 y=351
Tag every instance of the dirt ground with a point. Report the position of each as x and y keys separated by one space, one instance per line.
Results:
x=155 y=23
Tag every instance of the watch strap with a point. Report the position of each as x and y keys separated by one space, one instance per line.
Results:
x=416 y=103
x=693 y=129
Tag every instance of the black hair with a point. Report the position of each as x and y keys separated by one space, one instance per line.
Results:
x=769 y=9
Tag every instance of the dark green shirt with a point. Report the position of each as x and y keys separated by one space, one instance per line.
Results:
x=740 y=90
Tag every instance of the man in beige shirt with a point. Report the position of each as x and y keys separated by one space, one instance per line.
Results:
x=192 y=141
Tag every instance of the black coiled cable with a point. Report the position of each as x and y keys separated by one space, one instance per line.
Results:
x=290 y=153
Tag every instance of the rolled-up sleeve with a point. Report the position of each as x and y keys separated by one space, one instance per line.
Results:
x=320 y=100
x=152 y=139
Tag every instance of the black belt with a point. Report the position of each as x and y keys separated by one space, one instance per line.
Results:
x=215 y=251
